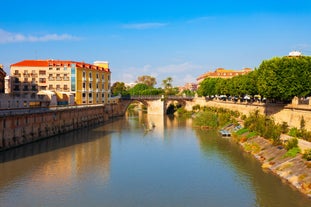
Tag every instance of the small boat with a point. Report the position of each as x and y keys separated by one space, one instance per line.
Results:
x=225 y=133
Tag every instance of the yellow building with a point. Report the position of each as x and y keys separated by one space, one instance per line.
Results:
x=89 y=83
x=223 y=73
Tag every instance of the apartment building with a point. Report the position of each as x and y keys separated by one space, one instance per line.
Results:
x=223 y=73
x=2 y=76
x=89 y=83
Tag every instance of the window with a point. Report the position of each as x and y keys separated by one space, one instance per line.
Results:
x=42 y=72
x=83 y=95
x=90 y=85
x=42 y=80
x=58 y=78
x=65 y=87
x=65 y=67
x=90 y=75
x=83 y=74
x=50 y=87
x=90 y=95
x=83 y=85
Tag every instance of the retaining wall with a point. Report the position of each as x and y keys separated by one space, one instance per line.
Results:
x=16 y=130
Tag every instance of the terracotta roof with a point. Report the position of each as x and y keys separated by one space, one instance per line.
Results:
x=47 y=63
x=223 y=73
x=32 y=63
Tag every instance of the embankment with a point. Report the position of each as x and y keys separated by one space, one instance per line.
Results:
x=19 y=129
x=294 y=170
x=291 y=114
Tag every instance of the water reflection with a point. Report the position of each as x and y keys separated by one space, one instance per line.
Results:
x=120 y=164
x=268 y=188
x=67 y=158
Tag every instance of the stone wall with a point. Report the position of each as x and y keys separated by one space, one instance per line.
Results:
x=16 y=130
x=292 y=114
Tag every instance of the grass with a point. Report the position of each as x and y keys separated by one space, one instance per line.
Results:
x=251 y=134
x=241 y=131
x=292 y=152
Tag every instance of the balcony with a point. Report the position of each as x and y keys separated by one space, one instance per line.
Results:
x=51 y=79
x=58 y=78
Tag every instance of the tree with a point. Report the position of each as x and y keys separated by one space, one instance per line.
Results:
x=119 y=88
x=138 y=88
x=146 y=79
x=168 y=87
x=286 y=77
x=207 y=87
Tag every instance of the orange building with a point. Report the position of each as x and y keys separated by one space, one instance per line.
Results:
x=89 y=83
x=223 y=73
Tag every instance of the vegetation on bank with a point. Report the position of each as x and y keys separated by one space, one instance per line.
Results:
x=255 y=124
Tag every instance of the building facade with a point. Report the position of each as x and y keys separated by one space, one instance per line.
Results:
x=223 y=73
x=2 y=77
x=89 y=83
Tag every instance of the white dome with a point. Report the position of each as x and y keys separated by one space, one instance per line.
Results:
x=295 y=53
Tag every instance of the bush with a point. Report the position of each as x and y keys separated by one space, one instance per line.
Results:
x=291 y=143
x=284 y=127
x=293 y=132
x=307 y=155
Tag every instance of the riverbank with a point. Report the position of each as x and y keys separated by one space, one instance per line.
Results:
x=294 y=170
x=21 y=128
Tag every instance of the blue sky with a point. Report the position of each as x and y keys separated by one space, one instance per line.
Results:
x=164 y=38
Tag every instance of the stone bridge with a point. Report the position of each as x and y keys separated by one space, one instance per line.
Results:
x=155 y=104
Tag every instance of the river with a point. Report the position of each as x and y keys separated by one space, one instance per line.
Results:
x=127 y=162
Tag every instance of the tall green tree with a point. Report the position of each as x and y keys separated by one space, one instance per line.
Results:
x=207 y=87
x=119 y=88
x=148 y=80
x=286 y=77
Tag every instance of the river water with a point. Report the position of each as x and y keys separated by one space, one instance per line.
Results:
x=129 y=163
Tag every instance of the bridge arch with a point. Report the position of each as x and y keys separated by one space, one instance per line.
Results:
x=154 y=104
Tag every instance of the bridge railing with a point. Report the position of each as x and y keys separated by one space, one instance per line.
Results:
x=156 y=97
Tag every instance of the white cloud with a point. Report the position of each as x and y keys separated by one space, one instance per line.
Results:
x=181 y=73
x=177 y=68
x=148 y=25
x=8 y=37
x=200 y=19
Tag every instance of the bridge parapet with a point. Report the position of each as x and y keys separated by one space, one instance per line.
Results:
x=156 y=97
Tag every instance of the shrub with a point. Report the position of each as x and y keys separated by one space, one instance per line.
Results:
x=307 y=155
x=293 y=132
x=284 y=127
x=291 y=143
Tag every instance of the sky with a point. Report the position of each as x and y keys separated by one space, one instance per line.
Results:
x=181 y=39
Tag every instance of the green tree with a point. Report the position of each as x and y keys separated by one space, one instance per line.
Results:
x=207 y=87
x=148 y=80
x=119 y=88
x=138 y=88
x=286 y=77
x=168 y=87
